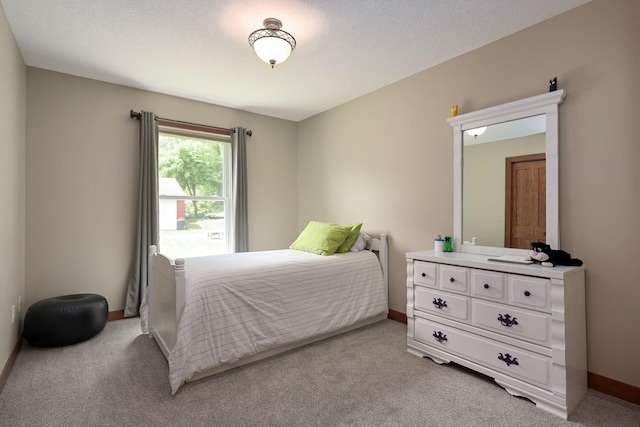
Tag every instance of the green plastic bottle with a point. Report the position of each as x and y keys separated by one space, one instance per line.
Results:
x=448 y=244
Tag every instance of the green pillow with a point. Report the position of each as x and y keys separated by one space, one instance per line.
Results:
x=321 y=238
x=346 y=245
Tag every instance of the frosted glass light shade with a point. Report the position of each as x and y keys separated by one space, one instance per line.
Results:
x=272 y=44
x=272 y=50
x=477 y=131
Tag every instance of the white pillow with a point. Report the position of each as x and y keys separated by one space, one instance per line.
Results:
x=361 y=242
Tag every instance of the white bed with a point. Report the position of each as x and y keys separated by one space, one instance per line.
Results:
x=211 y=314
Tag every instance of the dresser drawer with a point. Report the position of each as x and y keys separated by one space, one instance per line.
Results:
x=441 y=303
x=507 y=359
x=454 y=279
x=425 y=274
x=530 y=292
x=519 y=323
x=489 y=284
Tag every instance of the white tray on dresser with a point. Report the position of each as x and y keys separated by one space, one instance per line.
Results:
x=522 y=325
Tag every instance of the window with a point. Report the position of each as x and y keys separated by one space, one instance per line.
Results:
x=194 y=186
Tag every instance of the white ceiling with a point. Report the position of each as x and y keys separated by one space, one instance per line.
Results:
x=198 y=49
x=508 y=130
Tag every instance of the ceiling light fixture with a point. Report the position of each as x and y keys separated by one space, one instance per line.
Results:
x=476 y=132
x=272 y=44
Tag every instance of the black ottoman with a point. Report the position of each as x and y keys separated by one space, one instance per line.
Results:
x=65 y=320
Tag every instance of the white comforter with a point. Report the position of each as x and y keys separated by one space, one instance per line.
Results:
x=240 y=304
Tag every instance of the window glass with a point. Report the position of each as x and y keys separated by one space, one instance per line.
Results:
x=194 y=189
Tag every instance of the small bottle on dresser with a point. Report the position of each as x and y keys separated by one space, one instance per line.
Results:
x=447 y=244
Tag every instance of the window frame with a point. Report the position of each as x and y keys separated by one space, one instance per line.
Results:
x=216 y=135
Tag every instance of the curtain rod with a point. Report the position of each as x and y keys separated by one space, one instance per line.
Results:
x=137 y=115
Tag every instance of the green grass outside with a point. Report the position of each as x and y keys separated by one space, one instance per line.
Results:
x=199 y=238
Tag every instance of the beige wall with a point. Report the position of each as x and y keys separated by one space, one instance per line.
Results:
x=82 y=173
x=13 y=83
x=386 y=158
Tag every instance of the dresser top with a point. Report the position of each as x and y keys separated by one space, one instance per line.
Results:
x=482 y=262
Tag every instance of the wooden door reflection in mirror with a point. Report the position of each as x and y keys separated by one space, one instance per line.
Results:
x=525 y=201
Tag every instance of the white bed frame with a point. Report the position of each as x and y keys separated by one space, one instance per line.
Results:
x=166 y=298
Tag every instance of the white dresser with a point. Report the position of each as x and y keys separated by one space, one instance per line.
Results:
x=522 y=325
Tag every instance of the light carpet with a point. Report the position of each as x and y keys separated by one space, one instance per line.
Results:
x=362 y=378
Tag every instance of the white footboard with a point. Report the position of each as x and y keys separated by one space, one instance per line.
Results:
x=165 y=297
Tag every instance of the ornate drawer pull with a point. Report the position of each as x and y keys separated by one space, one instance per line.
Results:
x=424 y=274
x=486 y=286
x=507 y=321
x=439 y=336
x=508 y=360
x=451 y=279
x=439 y=303
x=527 y=293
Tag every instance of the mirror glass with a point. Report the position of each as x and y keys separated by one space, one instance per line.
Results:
x=506 y=176
x=503 y=183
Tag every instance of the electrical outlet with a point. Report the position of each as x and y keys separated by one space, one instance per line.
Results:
x=13 y=314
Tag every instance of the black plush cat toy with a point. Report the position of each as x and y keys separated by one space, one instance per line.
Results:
x=542 y=253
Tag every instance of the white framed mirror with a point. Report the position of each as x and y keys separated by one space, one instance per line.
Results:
x=496 y=211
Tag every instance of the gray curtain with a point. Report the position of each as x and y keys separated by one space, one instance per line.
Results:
x=239 y=150
x=147 y=224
